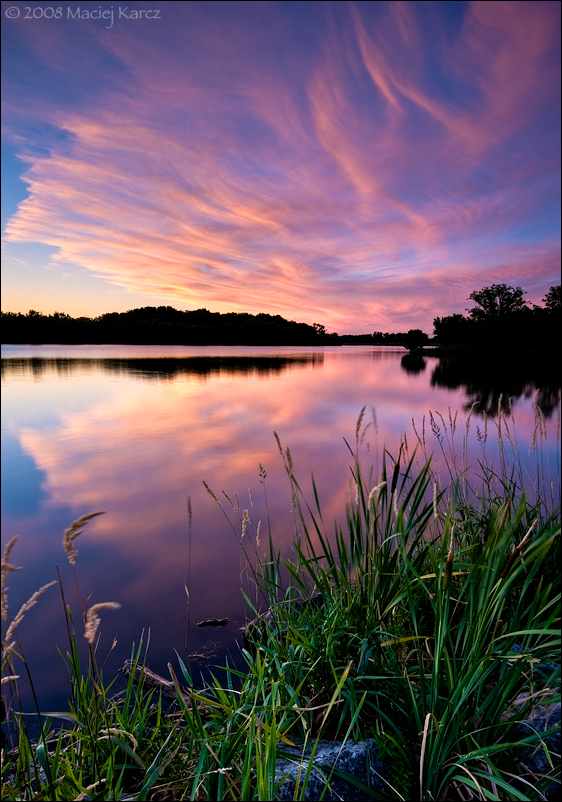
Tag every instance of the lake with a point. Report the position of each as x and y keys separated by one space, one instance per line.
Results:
x=135 y=430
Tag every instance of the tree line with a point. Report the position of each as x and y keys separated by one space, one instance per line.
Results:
x=503 y=320
x=162 y=325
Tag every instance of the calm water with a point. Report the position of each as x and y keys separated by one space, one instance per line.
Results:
x=134 y=431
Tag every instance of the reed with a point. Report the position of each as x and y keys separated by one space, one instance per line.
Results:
x=429 y=621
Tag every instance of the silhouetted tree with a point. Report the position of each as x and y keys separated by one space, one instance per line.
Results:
x=503 y=321
x=163 y=325
x=415 y=339
x=553 y=299
x=453 y=329
x=499 y=300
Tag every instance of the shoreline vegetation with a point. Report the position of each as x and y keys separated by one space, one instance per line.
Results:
x=502 y=322
x=433 y=628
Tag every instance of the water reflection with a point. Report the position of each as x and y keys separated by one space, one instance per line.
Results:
x=85 y=434
x=413 y=363
x=488 y=382
x=161 y=367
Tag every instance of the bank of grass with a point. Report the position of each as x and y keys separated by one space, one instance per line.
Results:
x=428 y=621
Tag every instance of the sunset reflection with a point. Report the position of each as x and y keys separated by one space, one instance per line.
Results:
x=102 y=435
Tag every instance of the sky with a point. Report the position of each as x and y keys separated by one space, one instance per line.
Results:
x=363 y=165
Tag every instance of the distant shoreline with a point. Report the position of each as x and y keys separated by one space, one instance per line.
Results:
x=165 y=325
x=449 y=350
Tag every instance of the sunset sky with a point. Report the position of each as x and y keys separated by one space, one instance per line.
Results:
x=362 y=165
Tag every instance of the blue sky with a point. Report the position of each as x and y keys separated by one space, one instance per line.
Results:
x=363 y=165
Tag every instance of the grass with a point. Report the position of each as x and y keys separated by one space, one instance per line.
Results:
x=428 y=621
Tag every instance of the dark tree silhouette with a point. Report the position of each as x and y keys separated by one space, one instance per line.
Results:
x=162 y=325
x=553 y=299
x=499 y=300
x=415 y=339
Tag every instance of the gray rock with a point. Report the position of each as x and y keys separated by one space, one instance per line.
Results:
x=545 y=668
x=359 y=759
x=535 y=759
x=363 y=762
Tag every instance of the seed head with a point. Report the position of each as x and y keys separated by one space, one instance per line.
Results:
x=6 y=568
x=93 y=619
x=76 y=528
x=22 y=611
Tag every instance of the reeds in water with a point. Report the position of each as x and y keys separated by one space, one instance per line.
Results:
x=428 y=621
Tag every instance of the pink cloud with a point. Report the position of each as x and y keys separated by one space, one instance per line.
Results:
x=348 y=188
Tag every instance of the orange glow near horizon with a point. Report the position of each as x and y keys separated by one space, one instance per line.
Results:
x=366 y=169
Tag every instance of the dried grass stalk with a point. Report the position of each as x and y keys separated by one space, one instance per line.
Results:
x=396 y=471
x=517 y=550
x=448 y=566
x=6 y=569
x=93 y=620
x=76 y=528
x=116 y=731
x=9 y=647
x=374 y=491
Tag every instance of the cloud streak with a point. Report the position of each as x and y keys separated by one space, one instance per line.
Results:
x=368 y=176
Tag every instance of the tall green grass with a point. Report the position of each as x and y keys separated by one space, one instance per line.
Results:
x=425 y=594
x=428 y=621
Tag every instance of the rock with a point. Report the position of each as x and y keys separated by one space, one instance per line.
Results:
x=208 y=652
x=545 y=668
x=358 y=759
x=363 y=762
x=534 y=759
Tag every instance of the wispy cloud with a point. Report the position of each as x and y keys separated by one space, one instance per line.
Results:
x=369 y=180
